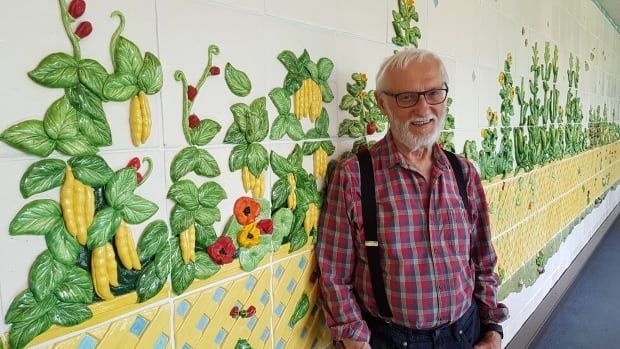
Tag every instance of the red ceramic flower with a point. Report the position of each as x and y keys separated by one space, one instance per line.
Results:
x=265 y=226
x=222 y=250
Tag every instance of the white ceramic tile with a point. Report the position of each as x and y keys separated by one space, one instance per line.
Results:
x=488 y=94
x=365 y=18
x=487 y=37
x=252 y=5
x=448 y=34
x=240 y=38
x=318 y=12
x=463 y=89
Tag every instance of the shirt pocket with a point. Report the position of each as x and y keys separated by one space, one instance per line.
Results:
x=457 y=230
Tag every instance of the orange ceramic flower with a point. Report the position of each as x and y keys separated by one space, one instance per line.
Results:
x=246 y=210
x=249 y=236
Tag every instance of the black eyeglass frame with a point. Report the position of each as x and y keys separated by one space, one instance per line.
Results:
x=418 y=94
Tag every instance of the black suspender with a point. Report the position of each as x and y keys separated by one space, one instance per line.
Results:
x=369 y=215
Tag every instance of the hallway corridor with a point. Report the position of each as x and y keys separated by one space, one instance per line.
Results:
x=586 y=318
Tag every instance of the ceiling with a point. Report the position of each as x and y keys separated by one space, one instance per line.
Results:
x=613 y=10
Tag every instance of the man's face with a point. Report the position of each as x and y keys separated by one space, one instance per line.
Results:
x=420 y=125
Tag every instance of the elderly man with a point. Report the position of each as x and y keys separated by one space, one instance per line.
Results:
x=404 y=245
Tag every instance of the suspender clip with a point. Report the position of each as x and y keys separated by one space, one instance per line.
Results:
x=371 y=243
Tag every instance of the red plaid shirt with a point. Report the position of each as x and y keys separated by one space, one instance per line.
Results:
x=436 y=257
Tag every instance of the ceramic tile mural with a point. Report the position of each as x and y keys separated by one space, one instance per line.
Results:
x=162 y=162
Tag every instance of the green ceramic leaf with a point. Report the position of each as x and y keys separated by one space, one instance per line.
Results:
x=312 y=70
x=328 y=146
x=207 y=215
x=63 y=247
x=96 y=129
x=258 y=122
x=149 y=284
x=237 y=81
x=153 y=239
x=29 y=136
x=60 y=120
x=205 y=235
x=150 y=78
x=240 y=113
x=25 y=307
x=231 y=229
x=301 y=309
x=325 y=67
x=234 y=135
x=103 y=228
x=238 y=157
x=210 y=194
x=295 y=131
x=281 y=100
x=280 y=165
x=249 y=258
x=282 y=223
x=280 y=191
x=56 y=70
x=69 y=314
x=45 y=275
x=180 y=219
x=92 y=75
x=205 y=267
x=279 y=127
x=77 y=287
x=23 y=332
x=138 y=210
x=183 y=163
x=120 y=87
x=309 y=148
x=41 y=176
x=126 y=56
x=185 y=193
x=257 y=158
x=206 y=165
x=162 y=262
x=347 y=102
x=36 y=218
x=204 y=133
x=85 y=102
x=182 y=274
x=119 y=190
x=76 y=146
x=243 y=344
x=91 y=170
x=298 y=239
x=326 y=92
x=289 y=60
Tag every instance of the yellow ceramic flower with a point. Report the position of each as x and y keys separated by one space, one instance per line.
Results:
x=489 y=113
x=511 y=92
x=249 y=236
x=409 y=2
x=362 y=95
x=363 y=77
x=484 y=133
x=502 y=78
x=509 y=58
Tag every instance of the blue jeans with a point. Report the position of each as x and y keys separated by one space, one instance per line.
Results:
x=463 y=333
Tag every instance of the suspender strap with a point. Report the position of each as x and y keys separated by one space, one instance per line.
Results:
x=369 y=215
x=460 y=178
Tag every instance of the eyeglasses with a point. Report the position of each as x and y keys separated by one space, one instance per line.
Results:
x=409 y=99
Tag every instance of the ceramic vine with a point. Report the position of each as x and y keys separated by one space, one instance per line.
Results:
x=250 y=127
x=197 y=132
x=446 y=137
x=90 y=224
x=406 y=34
x=295 y=191
x=306 y=81
x=362 y=105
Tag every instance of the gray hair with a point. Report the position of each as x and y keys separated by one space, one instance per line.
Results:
x=401 y=59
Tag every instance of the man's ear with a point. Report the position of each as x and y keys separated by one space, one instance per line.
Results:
x=381 y=102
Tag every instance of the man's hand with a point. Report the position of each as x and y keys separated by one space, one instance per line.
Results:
x=491 y=340
x=349 y=344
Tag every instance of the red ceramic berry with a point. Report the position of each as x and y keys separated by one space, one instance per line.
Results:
x=83 y=29
x=76 y=8
x=191 y=92
x=194 y=121
x=139 y=177
x=134 y=163
x=251 y=311
x=234 y=312
x=214 y=70
x=371 y=128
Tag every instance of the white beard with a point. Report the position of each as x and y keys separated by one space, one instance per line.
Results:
x=400 y=131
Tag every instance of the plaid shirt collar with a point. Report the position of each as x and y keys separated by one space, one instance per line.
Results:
x=390 y=156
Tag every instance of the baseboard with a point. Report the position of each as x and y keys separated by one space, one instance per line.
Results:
x=539 y=318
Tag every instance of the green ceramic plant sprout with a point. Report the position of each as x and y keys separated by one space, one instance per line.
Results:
x=96 y=202
x=195 y=210
x=446 y=137
x=576 y=140
x=361 y=104
x=406 y=34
